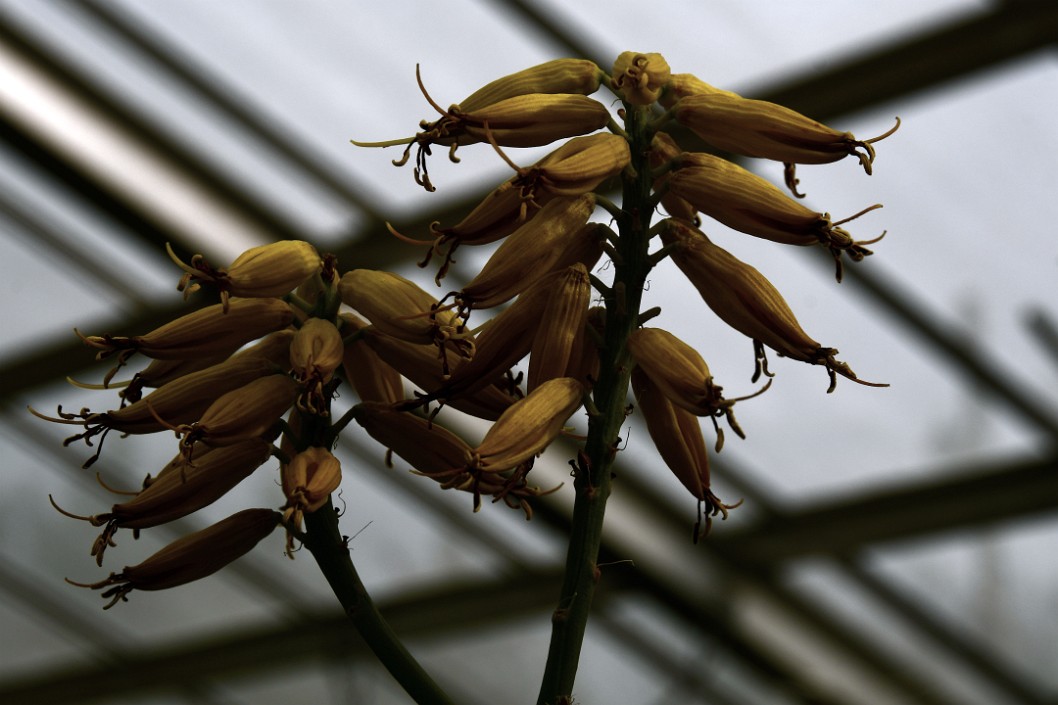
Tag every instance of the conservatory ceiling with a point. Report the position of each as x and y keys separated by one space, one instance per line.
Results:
x=894 y=546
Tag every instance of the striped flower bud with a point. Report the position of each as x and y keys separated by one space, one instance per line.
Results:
x=315 y=353
x=249 y=412
x=180 y=402
x=529 y=426
x=565 y=314
x=578 y=76
x=192 y=557
x=663 y=151
x=750 y=204
x=682 y=375
x=372 y=377
x=575 y=168
x=744 y=299
x=678 y=437
x=681 y=85
x=425 y=445
x=308 y=481
x=528 y=253
x=639 y=78
x=180 y=489
x=212 y=330
x=267 y=271
x=419 y=364
x=400 y=308
x=756 y=128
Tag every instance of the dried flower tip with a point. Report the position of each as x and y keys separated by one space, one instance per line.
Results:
x=757 y=128
x=529 y=426
x=578 y=76
x=744 y=299
x=308 y=481
x=748 y=203
x=315 y=353
x=639 y=78
x=192 y=557
x=529 y=253
x=267 y=271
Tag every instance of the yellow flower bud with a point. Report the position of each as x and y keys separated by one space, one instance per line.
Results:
x=192 y=557
x=681 y=85
x=315 y=353
x=425 y=445
x=529 y=426
x=751 y=204
x=207 y=332
x=663 y=150
x=251 y=411
x=578 y=76
x=179 y=490
x=678 y=437
x=744 y=299
x=528 y=253
x=308 y=481
x=639 y=78
x=757 y=128
x=261 y=272
x=400 y=308
x=575 y=168
x=563 y=320
x=372 y=377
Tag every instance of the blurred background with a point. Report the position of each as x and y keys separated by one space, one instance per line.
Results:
x=895 y=546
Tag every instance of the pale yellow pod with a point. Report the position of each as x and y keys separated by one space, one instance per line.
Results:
x=681 y=85
x=192 y=557
x=249 y=412
x=316 y=351
x=529 y=426
x=372 y=376
x=578 y=76
x=564 y=317
x=579 y=165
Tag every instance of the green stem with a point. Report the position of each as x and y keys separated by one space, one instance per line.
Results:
x=593 y=477
x=328 y=547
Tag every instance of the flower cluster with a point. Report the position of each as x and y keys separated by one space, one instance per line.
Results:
x=253 y=376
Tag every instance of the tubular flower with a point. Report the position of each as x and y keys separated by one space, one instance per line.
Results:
x=578 y=76
x=663 y=153
x=678 y=438
x=267 y=271
x=639 y=78
x=528 y=253
x=214 y=330
x=756 y=128
x=251 y=411
x=315 y=353
x=746 y=301
x=399 y=308
x=565 y=314
x=179 y=490
x=521 y=120
x=682 y=375
x=373 y=378
x=180 y=402
x=681 y=85
x=575 y=168
x=308 y=481
x=192 y=557
x=748 y=203
x=529 y=426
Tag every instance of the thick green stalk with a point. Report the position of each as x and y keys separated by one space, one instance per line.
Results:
x=327 y=545
x=610 y=392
